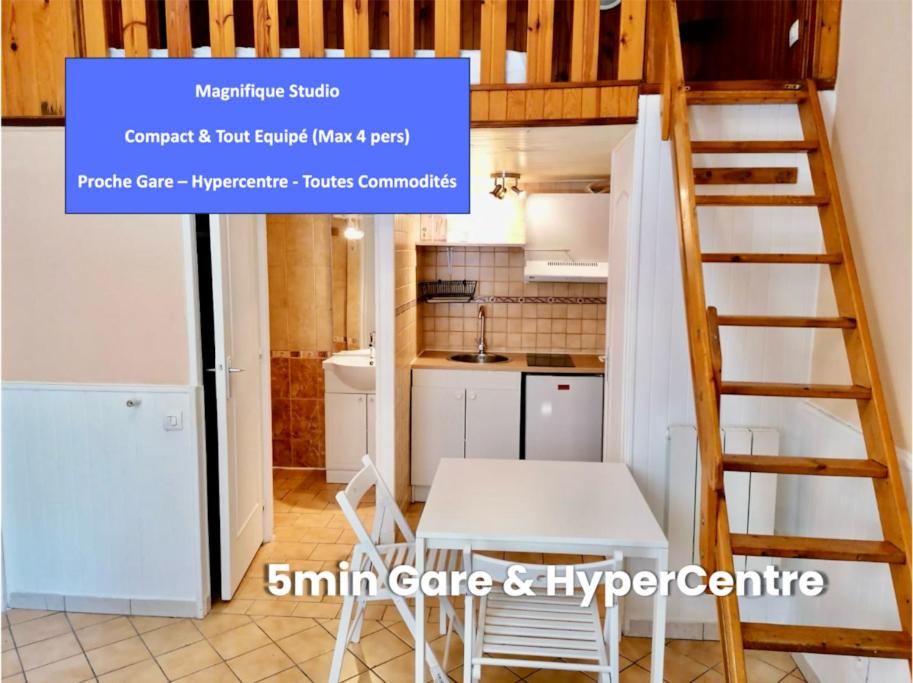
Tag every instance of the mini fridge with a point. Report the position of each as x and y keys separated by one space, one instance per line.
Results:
x=563 y=417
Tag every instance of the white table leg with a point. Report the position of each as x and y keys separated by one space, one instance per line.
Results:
x=658 y=645
x=468 y=641
x=420 y=613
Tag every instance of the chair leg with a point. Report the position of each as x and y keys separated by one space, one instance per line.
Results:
x=442 y=619
x=447 y=644
x=614 y=640
x=359 y=620
x=342 y=639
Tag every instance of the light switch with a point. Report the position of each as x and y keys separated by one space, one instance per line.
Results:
x=174 y=422
x=794 y=33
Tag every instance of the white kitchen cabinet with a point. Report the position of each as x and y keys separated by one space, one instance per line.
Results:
x=462 y=413
x=438 y=423
x=492 y=423
x=349 y=434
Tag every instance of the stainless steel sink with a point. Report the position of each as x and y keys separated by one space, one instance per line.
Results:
x=479 y=358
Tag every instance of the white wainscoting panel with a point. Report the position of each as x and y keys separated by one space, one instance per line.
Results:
x=102 y=507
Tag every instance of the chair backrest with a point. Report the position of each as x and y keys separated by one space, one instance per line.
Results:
x=385 y=507
x=537 y=573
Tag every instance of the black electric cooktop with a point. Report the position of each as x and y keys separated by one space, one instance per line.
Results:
x=549 y=360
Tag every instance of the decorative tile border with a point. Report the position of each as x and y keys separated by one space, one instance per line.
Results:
x=316 y=355
x=402 y=308
x=535 y=300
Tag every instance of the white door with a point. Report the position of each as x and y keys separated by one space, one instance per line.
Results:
x=346 y=435
x=237 y=301
x=438 y=419
x=619 y=374
x=493 y=424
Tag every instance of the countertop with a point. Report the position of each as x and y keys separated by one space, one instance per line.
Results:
x=438 y=360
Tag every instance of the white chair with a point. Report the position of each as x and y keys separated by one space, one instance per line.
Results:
x=369 y=554
x=544 y=631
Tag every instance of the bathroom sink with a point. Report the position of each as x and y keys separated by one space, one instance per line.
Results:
x=479 y=358
x=350 y=371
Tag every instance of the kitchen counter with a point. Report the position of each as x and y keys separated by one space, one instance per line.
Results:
x=439 y=360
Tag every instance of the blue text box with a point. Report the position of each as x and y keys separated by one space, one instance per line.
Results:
x=341 y=136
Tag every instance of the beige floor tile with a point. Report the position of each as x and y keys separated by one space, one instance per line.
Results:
x=146 y=624
x=331 y=552
x=118 y=655
x=80 y=620
x=545 y=676
x=318 y=668
x=794 y=677
x=70 y=670
x=281 y=627
x=316 y=610
x=10 y=664
x=105 y=633
x=400 y=670
x=378 y=648
x=50 y=650
x=490 y=674
x=454 y=652
x=235 y=606
x=7 y=640
x=276 y=608
x=214 y=623
x=366 y=677
x=220 y=673
x=143 y=672
x=711 y=676
x=634 y=674
x=780 y=660
x=17 y=616
x=635 y=648
x=307 y=644
x=368 y=627
x=292 y=675
x=707 y=652
x=41 y=628
x=188 y=659
x=239 y=640
x=319 y=534
x=260 y=663
x=677 y=668
x=171 y=637
x=758 y=671
x=15 y=678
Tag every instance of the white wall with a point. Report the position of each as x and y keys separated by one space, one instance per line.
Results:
x=103 y=510
x=85 y=298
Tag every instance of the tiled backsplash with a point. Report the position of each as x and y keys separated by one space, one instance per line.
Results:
x=546 y=317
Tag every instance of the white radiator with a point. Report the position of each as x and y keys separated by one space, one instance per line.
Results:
x=751 y=497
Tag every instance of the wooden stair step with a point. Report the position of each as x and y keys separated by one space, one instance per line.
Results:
x=735 y=257
x=760 y=200
x=826 y=640
x=785 y=321
x=762 y=545
x=751 y=146
x=784 y=464
x=795 y=390
x=745 y=96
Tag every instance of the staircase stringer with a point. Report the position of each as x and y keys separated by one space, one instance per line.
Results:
x=874 y=421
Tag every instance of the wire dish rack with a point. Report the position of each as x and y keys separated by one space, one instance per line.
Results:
x=448 y=291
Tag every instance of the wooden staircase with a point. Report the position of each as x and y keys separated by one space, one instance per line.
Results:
x=717 y=544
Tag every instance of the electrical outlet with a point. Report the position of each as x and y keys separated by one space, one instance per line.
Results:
x=174 y=422
x=794 y=33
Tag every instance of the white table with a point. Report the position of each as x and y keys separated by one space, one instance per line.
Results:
x=578 y=508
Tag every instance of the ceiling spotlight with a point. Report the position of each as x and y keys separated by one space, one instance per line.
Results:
x=352 y=231
x=500 y=188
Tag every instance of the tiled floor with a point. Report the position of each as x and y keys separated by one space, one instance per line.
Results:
x=256 y=637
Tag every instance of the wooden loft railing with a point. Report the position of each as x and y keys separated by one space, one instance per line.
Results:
x=717 y=544
x=38 y=35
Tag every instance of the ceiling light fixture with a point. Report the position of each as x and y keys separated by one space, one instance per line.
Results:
x=352 y=230
x=500 y=188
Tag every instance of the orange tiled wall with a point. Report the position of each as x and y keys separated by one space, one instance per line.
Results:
x=300 y=317
x=545 y=317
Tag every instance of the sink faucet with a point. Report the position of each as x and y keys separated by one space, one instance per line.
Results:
x=371 y=340
x=481 y=330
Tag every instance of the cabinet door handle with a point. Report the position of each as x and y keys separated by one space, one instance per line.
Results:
x=458 y=396
x=472 y=397
x=361 y=398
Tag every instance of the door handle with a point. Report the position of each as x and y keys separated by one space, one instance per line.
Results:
x=236 y=369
